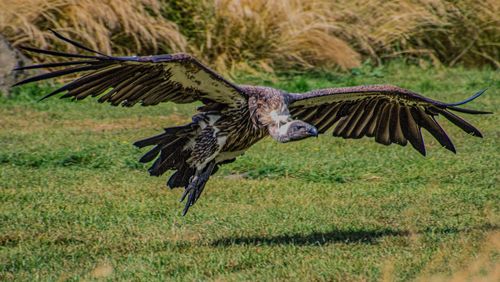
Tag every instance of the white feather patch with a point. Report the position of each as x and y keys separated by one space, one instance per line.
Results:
x=279 y=118
x=283 y=129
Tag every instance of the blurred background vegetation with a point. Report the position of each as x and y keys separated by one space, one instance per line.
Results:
x=261 y=35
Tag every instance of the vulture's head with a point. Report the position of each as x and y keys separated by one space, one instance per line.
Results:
x=296 y=130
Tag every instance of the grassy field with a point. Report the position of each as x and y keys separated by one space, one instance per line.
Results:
x=76 y=204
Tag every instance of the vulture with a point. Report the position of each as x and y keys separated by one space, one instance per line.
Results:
x=234 y=117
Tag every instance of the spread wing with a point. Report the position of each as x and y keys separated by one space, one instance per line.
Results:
x=147 y=80
x=388 y=113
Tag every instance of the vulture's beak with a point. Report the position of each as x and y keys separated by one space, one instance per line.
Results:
x=313 y=131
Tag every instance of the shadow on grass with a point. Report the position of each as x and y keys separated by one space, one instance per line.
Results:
x=339 y=236
x=316 y=238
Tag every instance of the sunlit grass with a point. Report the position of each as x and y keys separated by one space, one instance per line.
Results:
x=75 y=203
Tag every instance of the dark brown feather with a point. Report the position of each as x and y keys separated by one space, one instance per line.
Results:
x=325 y=117
x=336 y=116
x=411 y=130
x=60 y=64
x=464 y=125
x=324 y=124
x=361 y=127
x=200 y=83
x=95 y=88
x=129 y=88
x=371 y=127
x=320 y=114
x=396 y=132
x=354 y=120
x=396 y=126
x=430 y=124
x=89 y=81
x=144 y=90
x=382 y=134
x=342 y=125
x=60 y=73
x=58 y=54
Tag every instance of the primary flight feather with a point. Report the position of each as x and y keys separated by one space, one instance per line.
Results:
x=234 y=117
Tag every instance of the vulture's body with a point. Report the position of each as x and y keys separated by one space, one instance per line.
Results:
x=234 y=117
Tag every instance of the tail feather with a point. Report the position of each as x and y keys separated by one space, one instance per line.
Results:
x=151 y=154
x=173 y=181
x=171 y=154
x=151 y=140
x=170 y=151
x=181 y=177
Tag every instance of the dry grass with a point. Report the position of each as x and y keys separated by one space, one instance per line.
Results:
x=273 y=34
x=268 y=35
x=322 y=33
x=482 y=267
x=447 y=32
x=122 y=26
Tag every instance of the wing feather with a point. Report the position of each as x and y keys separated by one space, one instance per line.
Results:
x=382 y=135
x=354 y=126
x=363 y=125
x=320 y=114
x=464 y=125
x=342 y=125
x=372 y=126
x=388 y=113
x=61 y=73
x=327 y=113
x=411 y=130
x=396 y=132
x=330 y=119
x=430 y=124
x=183 y=78
x=353 y=119
x=141 y=93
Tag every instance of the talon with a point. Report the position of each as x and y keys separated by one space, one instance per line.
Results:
x=186 y=208
x=195 y=188
x=186 y=191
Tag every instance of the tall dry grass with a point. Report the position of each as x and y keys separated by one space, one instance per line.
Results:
x=120 y=25
x=447 y=32
x=341 y=33
x=268 y=35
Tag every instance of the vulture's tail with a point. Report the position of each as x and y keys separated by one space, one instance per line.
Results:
x=171 y=150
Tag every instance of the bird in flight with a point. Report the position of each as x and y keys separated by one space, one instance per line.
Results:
x=234 y=117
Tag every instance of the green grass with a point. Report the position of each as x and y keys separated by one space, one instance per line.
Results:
x=76 y=204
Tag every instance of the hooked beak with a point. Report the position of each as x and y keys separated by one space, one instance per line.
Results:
x=313 y=131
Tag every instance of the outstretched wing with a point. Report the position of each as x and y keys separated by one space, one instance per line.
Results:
x=147 y=80
x=388 y=113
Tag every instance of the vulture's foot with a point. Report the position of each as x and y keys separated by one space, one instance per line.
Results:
x=195 y=187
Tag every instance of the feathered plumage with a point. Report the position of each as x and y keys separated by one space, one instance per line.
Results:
x=388 y=113
x=234 y=117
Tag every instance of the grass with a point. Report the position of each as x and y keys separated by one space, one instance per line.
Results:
x=75 y=204
x=120 y=26
x=268 y=35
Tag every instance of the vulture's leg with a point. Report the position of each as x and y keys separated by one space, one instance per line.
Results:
x=196 y=185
